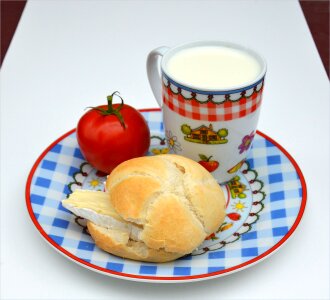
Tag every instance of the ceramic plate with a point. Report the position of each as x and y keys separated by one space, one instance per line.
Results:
x=265 y=203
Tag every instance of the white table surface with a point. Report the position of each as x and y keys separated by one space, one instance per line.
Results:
x=67 y=55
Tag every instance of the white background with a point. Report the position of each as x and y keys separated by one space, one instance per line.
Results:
x=67 y=55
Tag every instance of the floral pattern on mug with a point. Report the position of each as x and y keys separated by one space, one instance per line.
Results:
x=246 y=142
x=172 y=142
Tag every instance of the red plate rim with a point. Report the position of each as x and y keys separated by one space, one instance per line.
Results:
x=167 y=278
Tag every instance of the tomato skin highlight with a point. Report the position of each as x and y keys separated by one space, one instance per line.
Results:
x=105 y=143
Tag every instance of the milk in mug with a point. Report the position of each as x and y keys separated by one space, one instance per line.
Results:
x=213 y=67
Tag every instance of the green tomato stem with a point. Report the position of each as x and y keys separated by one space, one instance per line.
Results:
x=111 y=110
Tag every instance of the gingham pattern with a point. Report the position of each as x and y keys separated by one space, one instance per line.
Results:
x=210 y=111
x=282 y=204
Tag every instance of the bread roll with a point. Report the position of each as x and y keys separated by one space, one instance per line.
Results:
x=174 y=200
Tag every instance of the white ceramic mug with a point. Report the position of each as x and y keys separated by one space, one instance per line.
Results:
x=214 y=127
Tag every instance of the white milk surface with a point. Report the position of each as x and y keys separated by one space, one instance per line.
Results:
x=213 y=67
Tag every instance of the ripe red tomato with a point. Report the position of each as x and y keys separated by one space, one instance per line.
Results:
x=111 y=134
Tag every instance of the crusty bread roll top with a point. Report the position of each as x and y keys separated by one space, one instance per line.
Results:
x=174 y=201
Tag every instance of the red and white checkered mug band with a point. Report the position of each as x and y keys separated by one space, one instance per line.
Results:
x=212 y=107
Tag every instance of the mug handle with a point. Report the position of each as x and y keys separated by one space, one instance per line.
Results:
x=154 y=72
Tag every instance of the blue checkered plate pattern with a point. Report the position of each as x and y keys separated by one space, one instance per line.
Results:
x=265 y=203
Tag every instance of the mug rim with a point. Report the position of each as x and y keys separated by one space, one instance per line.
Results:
x=235 y=88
